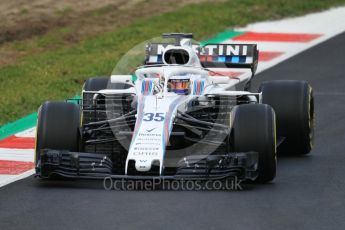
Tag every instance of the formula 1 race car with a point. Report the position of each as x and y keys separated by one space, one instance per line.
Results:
x=175 y=117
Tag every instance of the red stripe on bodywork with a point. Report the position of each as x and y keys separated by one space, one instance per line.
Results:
x=268 y=56
x=230 y=74
x=198 y=88
x=276 y=37
x=146 y=88
x=15 y=167
x=18 y=142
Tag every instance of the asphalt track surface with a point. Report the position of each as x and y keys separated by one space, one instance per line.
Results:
x=308 y=192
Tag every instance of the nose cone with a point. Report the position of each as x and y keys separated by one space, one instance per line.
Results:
x=143 y=165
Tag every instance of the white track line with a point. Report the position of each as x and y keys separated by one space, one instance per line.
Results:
x=27 y=133
x=327 y=22
x=17 y=154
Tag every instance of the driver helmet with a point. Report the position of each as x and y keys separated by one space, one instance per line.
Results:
x=179 y=85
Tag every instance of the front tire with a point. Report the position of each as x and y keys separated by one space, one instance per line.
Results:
x=253 y=129
x=57 y=128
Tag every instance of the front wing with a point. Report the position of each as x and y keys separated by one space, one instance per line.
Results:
x=194 y=167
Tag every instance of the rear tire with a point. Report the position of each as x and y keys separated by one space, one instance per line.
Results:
x=253 y=129
x=293 y=103
x=96 y=83
x=57 y=128
x=99 y=83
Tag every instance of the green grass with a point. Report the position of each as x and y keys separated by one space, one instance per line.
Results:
x=59 y=73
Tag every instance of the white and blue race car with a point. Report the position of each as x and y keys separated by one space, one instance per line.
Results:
x=172 y=119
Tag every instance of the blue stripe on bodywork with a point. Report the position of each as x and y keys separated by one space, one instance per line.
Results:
x=146 y=90
x=221 y=58
x=195 y=87
x=235 y=59
x=202 y=86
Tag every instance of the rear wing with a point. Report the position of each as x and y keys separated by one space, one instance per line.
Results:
x=212 y=55
x=154 y=52
x=229 y=56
